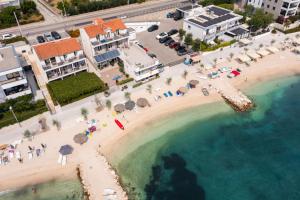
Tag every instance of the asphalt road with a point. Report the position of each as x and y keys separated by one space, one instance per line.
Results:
x=83 y=19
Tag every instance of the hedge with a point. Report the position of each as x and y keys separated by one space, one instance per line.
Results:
x=24 y=108
x=223 y=44
x=125 y=81
x=75 y=88
x=292 y=30
x=16 y=39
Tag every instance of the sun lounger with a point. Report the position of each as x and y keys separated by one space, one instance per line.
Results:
x=170 y=93
x=59 y=159
x=30 y=155
x=18 y=155
x=11 y=155
x=166 y=95
x=64 y=160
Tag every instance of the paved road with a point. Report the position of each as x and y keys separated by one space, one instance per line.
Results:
x=80 y=20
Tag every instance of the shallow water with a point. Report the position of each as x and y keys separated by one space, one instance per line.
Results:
x=228 y=155
x=53 y=190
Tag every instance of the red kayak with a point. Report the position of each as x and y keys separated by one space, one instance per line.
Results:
x=120 y=125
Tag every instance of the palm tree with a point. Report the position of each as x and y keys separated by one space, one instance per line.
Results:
x=215 y=62
x=168 y=81
x=84 y=113
x=56 y=123
x=185 y=73
x=261 y=46
x=108 y=104
x=127 y=95
x=149 y=88
x=272 y=42
x=27 y=134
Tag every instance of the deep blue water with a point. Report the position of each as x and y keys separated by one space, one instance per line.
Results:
x=230 y=156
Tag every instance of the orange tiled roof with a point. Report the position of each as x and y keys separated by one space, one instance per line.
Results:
x=57 y=48
x=99 y=27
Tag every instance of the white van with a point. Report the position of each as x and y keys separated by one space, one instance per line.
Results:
x=7 y=36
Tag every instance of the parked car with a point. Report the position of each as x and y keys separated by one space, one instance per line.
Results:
x=172 y=32
x=8 y=36
x=179 y=47
x=161 y=35
x=177 y=16
x=48 y=37
x=163 y=40
x=168 y=42
x=170 y=15
x=55 y=35
x=174 y=45
x=182 y=52
x=153 y=28
x=40 y=39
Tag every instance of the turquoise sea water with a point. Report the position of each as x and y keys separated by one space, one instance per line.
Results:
x=223 y=156
x=53 y=190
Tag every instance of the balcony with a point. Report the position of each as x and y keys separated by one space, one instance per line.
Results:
x=65 y=71
x=12 y=80
x=109 y=40
x=53 y=65
x=18 y=94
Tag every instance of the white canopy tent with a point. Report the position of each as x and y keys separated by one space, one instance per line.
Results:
x=273 y=49
x=253 y=55
x=263 y=52
x=243 y=58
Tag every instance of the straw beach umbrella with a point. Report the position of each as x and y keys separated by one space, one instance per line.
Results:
x=182 y=90
x=193 y=83
x=129 y=105
x=142 y=102
x=80 y=138
x=66 y=150
x=119 y=108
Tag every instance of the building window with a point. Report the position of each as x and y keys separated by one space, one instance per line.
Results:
x=268 y=6
x=276 y=1
x=189 y=27
x=273 y=7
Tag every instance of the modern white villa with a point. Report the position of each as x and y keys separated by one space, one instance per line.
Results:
x=13 y=81
x=210 y=22
x=60 y=58
x=103 y=40
x=6 y=3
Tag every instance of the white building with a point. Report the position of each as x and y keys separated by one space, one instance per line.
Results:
x=6 y=3
x=139 y=65
x=60 y=58
x=255 y=3
x=102 y=41
x=12 y=77
x=211 y=22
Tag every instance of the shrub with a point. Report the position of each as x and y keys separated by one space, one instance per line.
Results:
x=137 y=85
x=76 y=87
x=125 y=81
x=274 y=31
x=74 y=33
x=292 y=30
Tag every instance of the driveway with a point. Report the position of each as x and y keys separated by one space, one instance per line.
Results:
x=163 y=53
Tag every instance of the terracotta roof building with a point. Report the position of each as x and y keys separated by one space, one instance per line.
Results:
x=60 y=58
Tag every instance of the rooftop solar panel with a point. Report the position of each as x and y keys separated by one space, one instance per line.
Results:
x=218 y=11
x=107 y=56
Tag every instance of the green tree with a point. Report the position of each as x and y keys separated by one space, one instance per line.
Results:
x=169 y=81
x=27 y=134
x=149 y=88
x=196 y=45
x=188 y=40
x=28 y=7
x=260 y=20
x=84 y=113
x=181 y=33
x=127 y=95
x=108 y=104
x=7 y=16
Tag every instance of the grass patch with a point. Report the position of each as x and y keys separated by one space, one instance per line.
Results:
x=23 y=107
x=16 y=39
x=75 y=88
x=122 y=82
x=215 y=47
x=292 y=30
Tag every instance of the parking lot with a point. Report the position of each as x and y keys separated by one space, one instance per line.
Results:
x=32 y=39
x=149 y=41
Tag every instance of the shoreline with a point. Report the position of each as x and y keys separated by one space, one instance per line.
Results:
x=112 y=139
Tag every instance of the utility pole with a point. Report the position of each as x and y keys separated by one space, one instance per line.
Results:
x=128 y=2
x=12 y=111
x=63 y=3
x=18 y=24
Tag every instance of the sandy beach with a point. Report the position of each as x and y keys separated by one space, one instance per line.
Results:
x=108 y=138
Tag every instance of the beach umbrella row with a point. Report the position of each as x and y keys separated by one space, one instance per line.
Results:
x=129 y=105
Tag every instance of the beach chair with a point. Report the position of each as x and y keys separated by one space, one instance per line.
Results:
x=170 y=93
x=166 y=95
x=18 y=155
x=64 y=160
x=60 y=157
x=30 y=155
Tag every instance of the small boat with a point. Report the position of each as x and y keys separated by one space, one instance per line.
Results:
x=120 y=125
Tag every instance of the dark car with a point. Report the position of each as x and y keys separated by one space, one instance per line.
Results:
x=55 y=35
x=172 y=32
x=153 y=28
x=168 y=42
x=40 y=39
x=163 y=40
x=182 y=52
x=179 y=47
x=170 y=15
x=174 y=45
x=177 y=16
